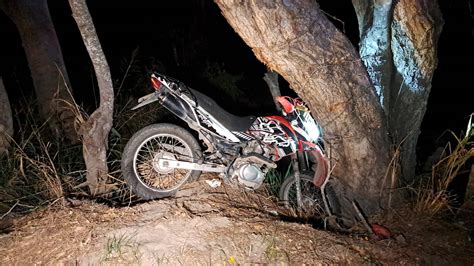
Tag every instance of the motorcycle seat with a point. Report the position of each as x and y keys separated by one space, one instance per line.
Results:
x=228 y=120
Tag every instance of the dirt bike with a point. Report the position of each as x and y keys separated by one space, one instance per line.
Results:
x=160 y=158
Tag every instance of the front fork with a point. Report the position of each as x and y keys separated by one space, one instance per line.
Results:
x=300 y=162
x=296 y=171
x=303 y=161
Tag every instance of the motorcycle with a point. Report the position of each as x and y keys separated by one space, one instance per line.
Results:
x=160 y=158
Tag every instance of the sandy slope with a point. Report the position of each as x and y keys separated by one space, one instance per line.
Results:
x=205 y=226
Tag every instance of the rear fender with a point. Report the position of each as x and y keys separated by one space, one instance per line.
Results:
x=147 y=99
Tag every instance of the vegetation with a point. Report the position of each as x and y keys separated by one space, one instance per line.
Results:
x=275 y=178
x=38 y=170
x=433 y=194
x=121 y=249
x=41 y=169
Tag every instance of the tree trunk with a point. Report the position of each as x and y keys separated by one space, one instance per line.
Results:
x=398 y=46
x=295 y=39
x=95 y=130
x=470 y=186
x=45 y=59
x=374 y=17
x=271 y=78
x=6 y=121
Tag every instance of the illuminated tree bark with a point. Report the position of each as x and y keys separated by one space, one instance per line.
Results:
x=295 y=39
x=45 y=61
x=95 y=130
x=398 y=46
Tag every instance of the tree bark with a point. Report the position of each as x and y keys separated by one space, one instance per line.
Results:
x=469 y=196
x=398 y=46
x=271 y=78
x=6 y=120
x=375 y=17
x=45 y=59
x=295 y=39
x=95 y=130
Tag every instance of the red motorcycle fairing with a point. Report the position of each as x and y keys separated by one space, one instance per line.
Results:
x=276 y=131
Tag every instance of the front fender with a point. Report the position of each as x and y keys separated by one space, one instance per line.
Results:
x=321 y=173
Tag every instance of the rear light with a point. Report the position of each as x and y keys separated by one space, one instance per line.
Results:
x=156 y=83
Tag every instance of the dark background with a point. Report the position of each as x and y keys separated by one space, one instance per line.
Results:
x=201 y=37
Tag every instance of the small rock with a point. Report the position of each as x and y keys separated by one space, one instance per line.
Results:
x=197 y=207
x=74 y=202
x=185 y=193
x=6 y=224
x=401 y=239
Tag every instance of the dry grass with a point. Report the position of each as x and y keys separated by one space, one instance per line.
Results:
x=40 y=168
x=432 y=195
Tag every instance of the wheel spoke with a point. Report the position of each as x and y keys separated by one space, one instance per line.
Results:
x=311 y=196
x=158 y=177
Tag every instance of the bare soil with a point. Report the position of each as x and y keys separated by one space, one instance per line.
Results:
x=220 y=226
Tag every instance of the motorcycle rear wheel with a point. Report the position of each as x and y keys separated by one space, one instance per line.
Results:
x=140 y=169
x=312 y=198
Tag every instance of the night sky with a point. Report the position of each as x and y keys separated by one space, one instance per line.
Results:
x=200 y=35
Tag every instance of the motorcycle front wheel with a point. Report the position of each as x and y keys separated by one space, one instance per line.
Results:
x=311 y=196
x=140 y=168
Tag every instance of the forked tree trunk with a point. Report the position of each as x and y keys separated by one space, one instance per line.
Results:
x=95 y=130
x=6 y=121
x=45 y=60
x=295 y=39
x=398 y=46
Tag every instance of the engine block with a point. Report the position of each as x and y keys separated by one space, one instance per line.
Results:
x=250 y=170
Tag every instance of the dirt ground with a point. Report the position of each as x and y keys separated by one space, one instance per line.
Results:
x=219 y=226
